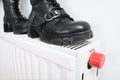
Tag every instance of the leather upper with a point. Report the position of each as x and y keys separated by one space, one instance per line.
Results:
x=65 y=26
x=49 y=18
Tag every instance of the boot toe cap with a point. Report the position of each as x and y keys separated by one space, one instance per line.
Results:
x=67 y=28
x=75 y=27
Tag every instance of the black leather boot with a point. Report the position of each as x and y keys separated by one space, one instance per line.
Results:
x=13 y=19
x=53 y=25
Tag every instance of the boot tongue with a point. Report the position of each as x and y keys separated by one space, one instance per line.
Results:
x=54 y=4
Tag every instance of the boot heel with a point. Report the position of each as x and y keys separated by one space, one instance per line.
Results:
x=32 y=33
x=7 y=27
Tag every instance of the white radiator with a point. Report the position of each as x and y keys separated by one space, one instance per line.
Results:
x=31 y=59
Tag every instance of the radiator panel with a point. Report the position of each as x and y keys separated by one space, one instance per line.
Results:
x=31 y=59
x=27 y=66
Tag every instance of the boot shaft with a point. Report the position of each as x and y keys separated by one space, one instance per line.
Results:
x=44 y=6
x=39 y=6
x=39 y=9
x=8 y=6
x=11 y=10
x=45 y=10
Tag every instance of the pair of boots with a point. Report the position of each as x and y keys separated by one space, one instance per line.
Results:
x=47 y=20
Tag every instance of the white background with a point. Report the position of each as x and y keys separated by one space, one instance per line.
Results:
x=104 y=17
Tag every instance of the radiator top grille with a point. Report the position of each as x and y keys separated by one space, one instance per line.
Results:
x=77 y=45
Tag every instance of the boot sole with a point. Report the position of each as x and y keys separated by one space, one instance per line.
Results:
x=61 y=40
x=68 y=40
x=8 y=28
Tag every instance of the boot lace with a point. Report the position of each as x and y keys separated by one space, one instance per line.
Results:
x=17 y=11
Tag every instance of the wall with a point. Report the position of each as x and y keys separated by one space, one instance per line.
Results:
x=104 y=17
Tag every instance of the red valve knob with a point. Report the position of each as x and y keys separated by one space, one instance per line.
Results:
x=97 y=60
